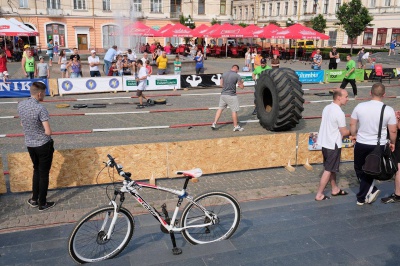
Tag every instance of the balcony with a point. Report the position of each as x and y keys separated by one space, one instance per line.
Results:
x=54 y=12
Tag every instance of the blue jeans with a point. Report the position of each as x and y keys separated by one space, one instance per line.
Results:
x=75 y=75
x=107 y=65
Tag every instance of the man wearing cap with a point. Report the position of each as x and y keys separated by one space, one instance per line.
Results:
x=333 y=58
x=26 y=48
x=109 y=57
x=94 y=63
x=256 y=74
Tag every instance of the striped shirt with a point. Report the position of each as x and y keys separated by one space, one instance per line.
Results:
x=32 y=114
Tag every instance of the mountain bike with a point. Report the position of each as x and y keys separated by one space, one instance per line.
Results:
x=104 y=232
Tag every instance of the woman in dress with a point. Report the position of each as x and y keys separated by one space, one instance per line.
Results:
x=62 y=61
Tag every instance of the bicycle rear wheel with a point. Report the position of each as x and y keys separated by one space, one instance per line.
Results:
x=224 y=210
x=87 y=242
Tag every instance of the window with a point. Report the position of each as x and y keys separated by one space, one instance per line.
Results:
x=387 y=2
x=326 y=6
x=109 y=39
x=305 y=7
x=23 y=3
x=240 y=13
x=338 y=4
x=372 y=3
x=175 y=8
x=202 y=8
x=351 y=41
x=252 y=13
x=278 y=9
x=137 y=5
x=263 y=10
x=107 y=5
x=315 y=5
x=381 y=36
x=79 y=4
x=234 y=14
x=246 y=14
x=295 y=8
x=56 y=32
x=332 y=38
x=53 y=4
x=155 y=6
x=222 y=7
x=270 y=10
x=286 y=8
x=367 y=38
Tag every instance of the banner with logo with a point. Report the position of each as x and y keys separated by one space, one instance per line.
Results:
x=19 y=88
x=154 y=83
x=311 y=76
x=89 y=85
x=247 y=78
x=337 y=75
x=211 y=80
x=369 y=74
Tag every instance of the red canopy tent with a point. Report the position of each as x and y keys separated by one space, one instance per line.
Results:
x=177 y=30
x=266 y=32
x=7 y=28
x=200 y=30
x=164 y=28
x=224 y=31
x=139 y=29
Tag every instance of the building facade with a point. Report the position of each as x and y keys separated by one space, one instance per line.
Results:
x=90 y=24
x=386 y=23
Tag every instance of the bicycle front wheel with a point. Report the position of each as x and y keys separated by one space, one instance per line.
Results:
x=225 y=218
x=88 y=241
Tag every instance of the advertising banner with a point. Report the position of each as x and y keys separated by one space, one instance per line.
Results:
x=337 y=75
x=313 y=146
x=311 y=76
x=211 y=80
x=247 y=78
x=369 y=74
x=89 y=85
x=154 y=83
x=19 y=88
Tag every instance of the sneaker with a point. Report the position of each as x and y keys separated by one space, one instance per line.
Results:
x=360 y=203
x=392 y=198
x=47 y=206
x=254 y=112
x=214 y=126
x=140 y=106
x=372 y=197
x=238 y=128
x=32 y=203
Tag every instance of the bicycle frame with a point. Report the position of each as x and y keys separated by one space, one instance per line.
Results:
x=182 y=194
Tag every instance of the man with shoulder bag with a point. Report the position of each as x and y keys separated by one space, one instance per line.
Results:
x=367 y=116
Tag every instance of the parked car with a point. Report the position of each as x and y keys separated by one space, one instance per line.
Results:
x=68 y=52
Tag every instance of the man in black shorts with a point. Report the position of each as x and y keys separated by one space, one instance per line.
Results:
x=332 y=130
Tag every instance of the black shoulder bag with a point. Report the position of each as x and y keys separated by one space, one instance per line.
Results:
x=380 y=164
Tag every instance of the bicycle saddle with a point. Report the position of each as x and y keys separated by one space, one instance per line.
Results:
x=194 y=173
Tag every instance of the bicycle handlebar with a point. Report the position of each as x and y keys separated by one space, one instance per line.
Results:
x=113 y=164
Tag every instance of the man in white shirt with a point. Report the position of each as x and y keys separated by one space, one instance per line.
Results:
x=367 y=116
x=141 y=83
x=144 y=58
x=331 y=132
x=94 y=62
x=131 y=56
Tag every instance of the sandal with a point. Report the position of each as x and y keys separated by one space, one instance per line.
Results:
x=324 y=198
x=340 y=193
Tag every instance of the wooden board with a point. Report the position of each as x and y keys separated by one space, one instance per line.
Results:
x=53 y=87
x=3 y=188
x=232 y=154
x=81 y=167
x=316 y=156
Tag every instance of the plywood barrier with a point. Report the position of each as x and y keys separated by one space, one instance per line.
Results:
x=80 y=167
x=232 y=154
x=3 y=188
x=53 y=86
x=316 y=156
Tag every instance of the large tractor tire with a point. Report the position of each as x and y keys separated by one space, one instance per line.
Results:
x=279 y=99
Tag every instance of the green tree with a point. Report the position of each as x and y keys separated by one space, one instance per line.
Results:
x=318 y=23
x=354 y=17
x=242 y=24
x=187 y=21
x=289 y=22
x=215 y=21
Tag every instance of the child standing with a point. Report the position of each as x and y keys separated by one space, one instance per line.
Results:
x=177 y=66
x=62 y=61
x=113 y=71
x=149 y=68
x=42 y=69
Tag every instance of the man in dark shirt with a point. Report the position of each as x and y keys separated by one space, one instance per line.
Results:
x=35 y=123
x=228 y=96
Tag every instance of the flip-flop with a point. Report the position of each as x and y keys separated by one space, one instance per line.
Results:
x=324 y=198
x=340 y=193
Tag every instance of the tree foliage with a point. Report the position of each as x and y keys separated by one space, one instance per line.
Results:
x=215 y=21
x=354 y=17
x=289 y=22
x=318 y=23
x=242 y=24
x=184 y=21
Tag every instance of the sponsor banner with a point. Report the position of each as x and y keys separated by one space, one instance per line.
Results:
x=369 y=74
x=311 y=76
x=337 y=75
x=154 y=83
x=89 y=85
x=211 y=80
x=313 y=146
x=19 y=88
